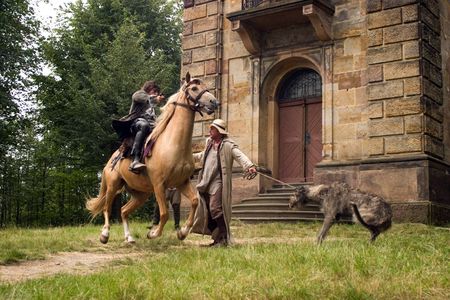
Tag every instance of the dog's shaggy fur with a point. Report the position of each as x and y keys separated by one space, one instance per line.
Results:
x=339 y=198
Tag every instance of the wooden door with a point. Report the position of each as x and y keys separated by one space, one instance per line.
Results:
x=300 y=125
x=300 y=140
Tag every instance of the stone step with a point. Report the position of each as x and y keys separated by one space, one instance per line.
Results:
x=277 y=213
x=271 y=205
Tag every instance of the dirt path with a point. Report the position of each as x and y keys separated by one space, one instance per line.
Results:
x=66 y=262
x=90 y=262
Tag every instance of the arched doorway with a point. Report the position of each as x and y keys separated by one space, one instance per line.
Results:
x=299 y=98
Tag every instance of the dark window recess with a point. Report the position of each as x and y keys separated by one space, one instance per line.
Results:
x=188 y=3
x=301 y=84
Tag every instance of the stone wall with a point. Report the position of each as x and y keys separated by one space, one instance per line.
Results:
x=404 y=78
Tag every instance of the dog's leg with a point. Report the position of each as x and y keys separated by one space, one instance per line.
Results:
x=327 y=223
x=375 y=233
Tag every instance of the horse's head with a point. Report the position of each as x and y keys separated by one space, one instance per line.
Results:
x=200 y=99
x=299 y=198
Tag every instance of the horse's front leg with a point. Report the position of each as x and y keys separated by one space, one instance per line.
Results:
x=189 y=192
x=160 y=196
x=137 y=200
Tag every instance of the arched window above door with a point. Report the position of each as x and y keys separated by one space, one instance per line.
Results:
x=300 y=84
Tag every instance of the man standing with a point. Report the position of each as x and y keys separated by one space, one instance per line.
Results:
x=213 y=214
x=140 y=121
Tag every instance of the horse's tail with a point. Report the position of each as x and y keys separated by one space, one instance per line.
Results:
x=97 y=204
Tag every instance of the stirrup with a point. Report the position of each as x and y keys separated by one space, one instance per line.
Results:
x=136 y=167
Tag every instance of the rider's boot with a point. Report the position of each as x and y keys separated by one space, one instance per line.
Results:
x=136 y=166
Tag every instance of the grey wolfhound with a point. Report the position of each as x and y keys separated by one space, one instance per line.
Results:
x=339 y=198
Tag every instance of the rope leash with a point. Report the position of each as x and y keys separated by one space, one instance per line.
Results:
x=261 y=171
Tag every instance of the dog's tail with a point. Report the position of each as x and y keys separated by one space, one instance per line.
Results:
x=360 y=219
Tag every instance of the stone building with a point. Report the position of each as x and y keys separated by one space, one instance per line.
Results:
x=317 y=90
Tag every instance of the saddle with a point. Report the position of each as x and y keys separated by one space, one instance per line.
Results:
x=126 y=147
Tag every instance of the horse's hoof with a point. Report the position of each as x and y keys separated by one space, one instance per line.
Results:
x=129 y=239
x=182 y=233
x=104 y=239
x=152 y=234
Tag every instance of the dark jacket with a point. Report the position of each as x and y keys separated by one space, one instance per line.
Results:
x=142 y=106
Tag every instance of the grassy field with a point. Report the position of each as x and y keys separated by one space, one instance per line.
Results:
x=269 y=261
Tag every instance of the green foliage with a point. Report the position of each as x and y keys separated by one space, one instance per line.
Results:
x=101 y=52
x=269 y=261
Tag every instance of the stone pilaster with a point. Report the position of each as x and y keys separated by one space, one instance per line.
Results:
x=202 y=53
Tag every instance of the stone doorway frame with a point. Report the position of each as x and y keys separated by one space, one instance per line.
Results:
x=268 y=72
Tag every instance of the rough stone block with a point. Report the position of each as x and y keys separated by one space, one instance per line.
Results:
x=197 y=2
x=413 y=124
x=411 y=49
x=396 y=3
x=206 y=53
x=433 y=128
x=434 y=146
x=375 y=37
x=193 y=41
x=403 y=106
x=401 y=33
x=385 y=18
x=431 y=38
x=198 y=130
x=187 y=28
x=195 y=12
x=348 y=115
x=384 y=54
x=211 y=67
x=413 y=86
x=433 y=6
x=373 y=5
x=401 y=69
x=385 y=127
x=349 y=80
x=429 y=19
x=432 y=55
x=403 y=144
x=198 y=144
x=432 y=73
x=343 y=64
x=375 y=110
x=375 y=73
x=374 y=146
x=212 y=8
x=432 y=91
x=205 y=24
x=187 y=57
x=389 y=89
x=433 y=109
x=348 y=29
x=410 y=13
x=195 y=69
x=211 y=38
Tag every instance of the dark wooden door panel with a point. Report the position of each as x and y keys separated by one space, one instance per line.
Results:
x=314 y=132
x=291 y=140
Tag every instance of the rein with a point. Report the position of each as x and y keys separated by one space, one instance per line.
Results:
x=196 y=107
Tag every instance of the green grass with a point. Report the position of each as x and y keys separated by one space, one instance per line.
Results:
x=270 y=261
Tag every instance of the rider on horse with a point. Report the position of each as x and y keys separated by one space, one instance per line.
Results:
x=140 y=121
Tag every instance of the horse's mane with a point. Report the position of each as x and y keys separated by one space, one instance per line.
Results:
x=167 y=112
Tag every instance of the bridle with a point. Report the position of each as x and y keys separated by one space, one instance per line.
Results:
x=196 y=106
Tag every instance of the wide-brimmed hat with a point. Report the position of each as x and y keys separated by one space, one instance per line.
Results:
x=220 y=125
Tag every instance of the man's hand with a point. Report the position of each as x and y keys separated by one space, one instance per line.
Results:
x=252 y=170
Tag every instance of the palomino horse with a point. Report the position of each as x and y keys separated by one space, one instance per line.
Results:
x=170 y=165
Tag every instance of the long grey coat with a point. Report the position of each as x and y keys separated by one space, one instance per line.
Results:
x=228 y=152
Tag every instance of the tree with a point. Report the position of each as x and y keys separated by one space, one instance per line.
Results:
x=18 y=59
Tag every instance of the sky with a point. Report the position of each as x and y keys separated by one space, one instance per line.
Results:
x=46 y=10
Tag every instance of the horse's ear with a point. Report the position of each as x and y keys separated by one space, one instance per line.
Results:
x=188 y=77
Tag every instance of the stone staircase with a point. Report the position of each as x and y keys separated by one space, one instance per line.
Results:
x=272 y=206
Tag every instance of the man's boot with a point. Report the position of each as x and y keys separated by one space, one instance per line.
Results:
x=176 y=215
x=222 y=240
x=136 y=166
